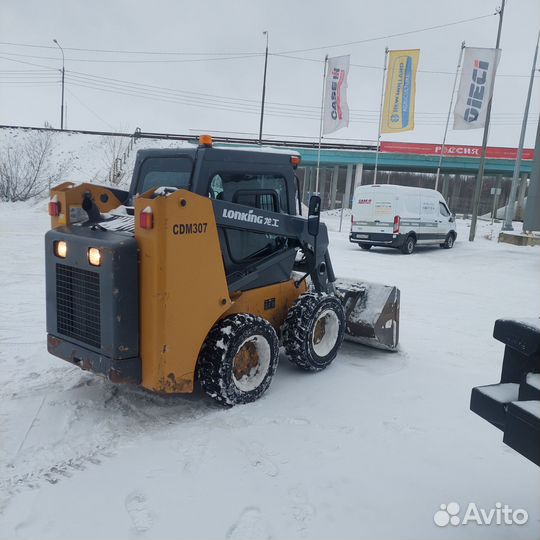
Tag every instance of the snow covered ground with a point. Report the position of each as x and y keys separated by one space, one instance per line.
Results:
x=370 y=448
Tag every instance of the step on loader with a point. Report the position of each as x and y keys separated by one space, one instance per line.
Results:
x=513 y=404
x=199 y=273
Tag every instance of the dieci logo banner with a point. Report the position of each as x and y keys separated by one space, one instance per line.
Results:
x=398 y=111
x=336 y=110
x=475 y=87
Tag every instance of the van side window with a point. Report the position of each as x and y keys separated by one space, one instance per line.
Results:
x=444 y=211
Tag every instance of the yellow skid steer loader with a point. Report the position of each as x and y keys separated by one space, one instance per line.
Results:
x=199 y=272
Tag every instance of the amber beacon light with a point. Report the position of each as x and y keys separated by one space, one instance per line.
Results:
x=205 y=140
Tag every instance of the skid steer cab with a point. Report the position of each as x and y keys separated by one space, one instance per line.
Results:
x=199 y=273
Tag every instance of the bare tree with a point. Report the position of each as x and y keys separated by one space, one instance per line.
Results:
x=115 y=153
x=27 y=167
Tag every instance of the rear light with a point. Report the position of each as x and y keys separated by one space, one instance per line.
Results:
x=54 y=207
x=396 y=224
x=146 y=218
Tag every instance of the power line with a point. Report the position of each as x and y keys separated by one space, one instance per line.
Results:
x=210 y=101
x=379 y=68
x=221 y=53
x=28 y=63
x=89 y=109
x=165 y=99
x=389 y=36
x=23 y=71
x=133 y=85
x=28 y=84
x=119 y=51
x=177 y=61
x=232 y=108
x=253 y=55
x=138 y=89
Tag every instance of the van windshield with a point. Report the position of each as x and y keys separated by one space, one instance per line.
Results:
x=164 y=172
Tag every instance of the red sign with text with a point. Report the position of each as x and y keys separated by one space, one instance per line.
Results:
x=453 y=150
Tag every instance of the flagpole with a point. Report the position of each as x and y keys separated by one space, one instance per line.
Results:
x=448 y=117
x=321 y=125
x=509 y=213
x=380 y=117
x=265 y=33
x=480 y=175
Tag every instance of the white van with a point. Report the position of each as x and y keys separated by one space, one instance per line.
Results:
x=400 y=217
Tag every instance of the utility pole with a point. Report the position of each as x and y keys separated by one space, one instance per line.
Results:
x=509 y=212
x=480 y=176
x=63 y=78
x=265 y=33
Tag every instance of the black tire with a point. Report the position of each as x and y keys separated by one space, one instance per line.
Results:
x=408 y=246
x=230 y=350
x=366 y=246
x=310 y=315
x=448 y=242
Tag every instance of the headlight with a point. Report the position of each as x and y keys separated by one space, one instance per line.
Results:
x=60 y=249
x=94 y=256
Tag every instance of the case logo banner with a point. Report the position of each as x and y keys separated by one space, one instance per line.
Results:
x=336 y=109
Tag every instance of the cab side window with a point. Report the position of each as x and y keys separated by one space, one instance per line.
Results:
x=263 y=191
x=255 y=190
x=444 y=210
x=164 y=172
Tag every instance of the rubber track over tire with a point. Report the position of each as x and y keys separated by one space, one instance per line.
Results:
x=214 y=367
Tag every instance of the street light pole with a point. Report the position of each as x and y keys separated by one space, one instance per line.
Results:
x=265 y=33
x=509 y=212
x=63 y=78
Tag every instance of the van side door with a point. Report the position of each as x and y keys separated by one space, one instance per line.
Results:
x=429 y=221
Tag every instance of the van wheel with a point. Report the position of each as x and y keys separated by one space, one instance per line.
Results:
x=366 y=246
x=238 y=359
x=408 y=246
x=313 y=331
x=449 y=241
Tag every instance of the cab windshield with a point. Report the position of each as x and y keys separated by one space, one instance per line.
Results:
x=164 y=172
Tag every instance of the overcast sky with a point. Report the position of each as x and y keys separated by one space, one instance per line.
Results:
x=217 y=86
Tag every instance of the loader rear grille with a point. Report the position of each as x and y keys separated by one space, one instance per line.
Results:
x=78 y=305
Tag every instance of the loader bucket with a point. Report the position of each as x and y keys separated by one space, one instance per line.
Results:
x=371 y=312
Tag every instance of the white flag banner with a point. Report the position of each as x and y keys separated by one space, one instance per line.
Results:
x=475 y=87
x=336 y=110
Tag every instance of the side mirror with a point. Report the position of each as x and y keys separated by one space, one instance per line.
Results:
x=452 y=218
x=314 y=215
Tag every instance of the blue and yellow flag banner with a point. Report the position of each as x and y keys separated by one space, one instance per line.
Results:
x=398 y=111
